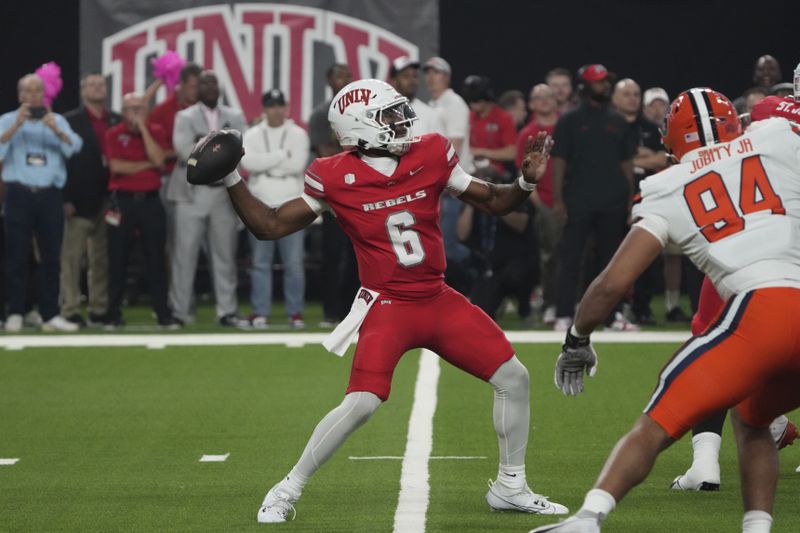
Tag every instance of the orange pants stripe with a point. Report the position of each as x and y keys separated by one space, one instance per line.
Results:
x=750 y=358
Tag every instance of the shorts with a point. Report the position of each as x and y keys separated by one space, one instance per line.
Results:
x=749 y=358
x=447 y=324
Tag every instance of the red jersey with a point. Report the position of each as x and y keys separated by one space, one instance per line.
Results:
x=495 y=130
x=122 y=143
x=164 y=115
x=392 y=221
x=545 y=186
x=776 y=106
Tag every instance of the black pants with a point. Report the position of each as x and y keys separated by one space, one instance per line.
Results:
x=29 y=213
x=145 y=214
x=608 y=228
x=515 y=279
x=339 y=270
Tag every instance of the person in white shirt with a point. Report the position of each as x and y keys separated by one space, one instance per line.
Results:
x=404 y=77
x=276 y=153
x=453 y=110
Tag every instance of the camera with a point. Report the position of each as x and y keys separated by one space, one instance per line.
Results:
x=37 y=112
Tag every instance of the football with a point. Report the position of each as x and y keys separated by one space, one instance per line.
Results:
x=214 y=156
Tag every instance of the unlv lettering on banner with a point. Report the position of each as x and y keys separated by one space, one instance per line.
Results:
x=253 y=48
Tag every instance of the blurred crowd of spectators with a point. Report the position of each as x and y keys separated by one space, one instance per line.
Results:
x=80 y=190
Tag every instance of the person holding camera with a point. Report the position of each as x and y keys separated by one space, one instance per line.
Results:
x=35 y=144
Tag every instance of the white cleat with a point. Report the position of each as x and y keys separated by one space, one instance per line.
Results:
x=685 y=482
x=573 y=524
x=525 y=501
x=277 y=507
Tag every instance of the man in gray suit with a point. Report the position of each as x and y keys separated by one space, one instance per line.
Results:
x=203 y=211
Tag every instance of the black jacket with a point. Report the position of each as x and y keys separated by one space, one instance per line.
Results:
x=87 y=173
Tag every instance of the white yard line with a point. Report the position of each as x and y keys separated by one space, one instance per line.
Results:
x=400 y=457
x=412 y=502
x=293 y=340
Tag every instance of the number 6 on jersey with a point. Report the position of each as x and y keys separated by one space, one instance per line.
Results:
x=405 y=242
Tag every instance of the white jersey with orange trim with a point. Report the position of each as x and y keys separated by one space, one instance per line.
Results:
x=733 y=208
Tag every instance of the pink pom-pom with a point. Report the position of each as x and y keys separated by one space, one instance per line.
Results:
x=50 y=74
x=168 y=68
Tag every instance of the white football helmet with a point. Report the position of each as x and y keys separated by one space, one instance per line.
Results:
x=372 y=114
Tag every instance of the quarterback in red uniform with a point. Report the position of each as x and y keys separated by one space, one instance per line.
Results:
x=385 y=193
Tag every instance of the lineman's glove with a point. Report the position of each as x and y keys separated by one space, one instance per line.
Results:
x=577 y=356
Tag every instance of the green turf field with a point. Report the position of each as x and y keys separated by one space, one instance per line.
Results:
x=109 y=440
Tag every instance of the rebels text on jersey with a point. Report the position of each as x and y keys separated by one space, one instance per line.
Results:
x=392 y=221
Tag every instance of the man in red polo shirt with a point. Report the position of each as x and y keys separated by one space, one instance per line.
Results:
x=164 y=113
x=544 y=115
x=136 y=154
x=492 y=132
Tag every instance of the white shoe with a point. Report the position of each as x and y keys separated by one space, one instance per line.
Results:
x=622 y=324
x=525 y=501
x=562 y=324
x=549 y=316
x=14 y=324
x=573 y=524
x=689 y=482
x=59 y=323
x=276 y=507
x=33 y=319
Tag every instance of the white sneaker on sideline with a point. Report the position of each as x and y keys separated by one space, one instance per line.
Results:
x=562 y=324
x=622 y=324
x=573 y=524
x=549 y=316
x=276 y=507
x=14 y=324
x=33 y=319
x=525 y=501
x=59 y=323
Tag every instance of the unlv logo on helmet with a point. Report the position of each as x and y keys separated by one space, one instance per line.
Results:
x=351 y=97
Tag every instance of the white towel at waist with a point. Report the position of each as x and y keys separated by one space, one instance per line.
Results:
x=341 y=337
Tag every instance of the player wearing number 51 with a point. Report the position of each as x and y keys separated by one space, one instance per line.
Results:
x=384 y=190
x=731 y=204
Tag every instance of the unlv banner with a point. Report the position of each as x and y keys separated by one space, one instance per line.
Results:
x=255 y=47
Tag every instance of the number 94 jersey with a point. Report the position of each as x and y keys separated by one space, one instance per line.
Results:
x=392 y=221
x=734 y=208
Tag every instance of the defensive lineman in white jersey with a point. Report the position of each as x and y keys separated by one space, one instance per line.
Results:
x=733 y=205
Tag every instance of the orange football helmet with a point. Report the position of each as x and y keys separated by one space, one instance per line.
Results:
x=699 y=117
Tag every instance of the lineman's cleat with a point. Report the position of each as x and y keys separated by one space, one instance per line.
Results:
x=525 y=501
x=685 y=483
x=573 y=524
x=783 y=431
x=277 y=507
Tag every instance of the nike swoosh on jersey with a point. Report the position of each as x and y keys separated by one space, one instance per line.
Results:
x=415 y=170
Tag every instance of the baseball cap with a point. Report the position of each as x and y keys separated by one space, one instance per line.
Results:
x=273 y=97
x=437 y=63
x=402 y=63
x=593 y=72
x=655 y=93
x=786 y=88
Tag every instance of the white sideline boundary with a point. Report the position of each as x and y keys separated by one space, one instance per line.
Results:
x=412 y=502
x=292 y=340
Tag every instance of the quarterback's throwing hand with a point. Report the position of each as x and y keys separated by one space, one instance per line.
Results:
x=577 y=356
x=537 y=151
